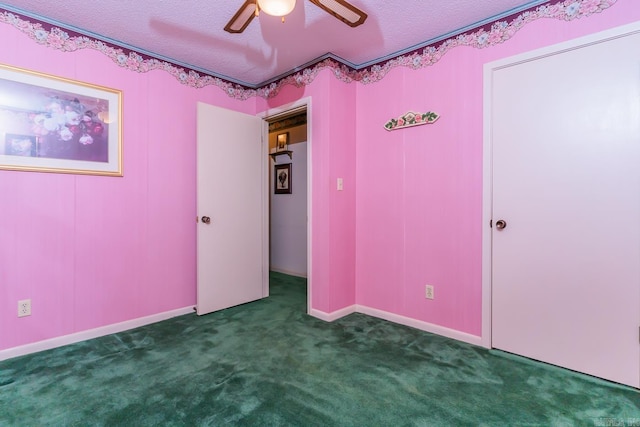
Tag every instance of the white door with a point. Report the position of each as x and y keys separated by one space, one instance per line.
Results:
x=566 y=179
x=232 y=213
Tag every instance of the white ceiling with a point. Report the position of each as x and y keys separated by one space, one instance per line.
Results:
x=190 y=32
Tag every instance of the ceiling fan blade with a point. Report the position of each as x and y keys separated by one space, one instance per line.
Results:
x=242 y=18
x=344 y=11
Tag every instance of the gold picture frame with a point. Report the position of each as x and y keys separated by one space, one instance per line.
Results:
x=282 y=141
x=55 y=124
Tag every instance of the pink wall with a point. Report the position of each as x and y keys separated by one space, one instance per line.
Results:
x=332 y=144
x=342 y=204
x=419 y=190
x=91 y=251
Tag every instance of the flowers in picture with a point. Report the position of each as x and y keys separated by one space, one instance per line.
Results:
x=67 y=129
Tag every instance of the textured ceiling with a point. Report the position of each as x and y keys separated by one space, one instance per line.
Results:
x=189 y=32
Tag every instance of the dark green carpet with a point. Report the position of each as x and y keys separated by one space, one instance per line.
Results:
x=269 y=364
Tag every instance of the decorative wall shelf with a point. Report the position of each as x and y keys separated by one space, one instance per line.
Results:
x=280 y=153
x=411 y=119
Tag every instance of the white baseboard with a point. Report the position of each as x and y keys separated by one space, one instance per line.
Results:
x=142 y=321
x=419 y=324
x=330 y=317
x=288 y=273
x=402 y=320
x=91 y=333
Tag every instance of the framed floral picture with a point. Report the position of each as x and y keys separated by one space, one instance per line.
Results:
x=54 y=124
x=282 y=179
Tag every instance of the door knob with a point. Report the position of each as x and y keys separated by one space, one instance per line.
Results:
x=500 y=224
x=206 y=219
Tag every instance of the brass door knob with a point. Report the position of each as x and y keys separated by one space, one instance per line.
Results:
x=501 y=224
x=206 y=219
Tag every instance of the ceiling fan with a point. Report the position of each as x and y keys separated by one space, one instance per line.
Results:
x=341 y=9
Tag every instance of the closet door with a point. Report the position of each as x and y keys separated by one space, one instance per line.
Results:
x=566 y=182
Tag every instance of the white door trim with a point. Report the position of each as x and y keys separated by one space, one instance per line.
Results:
x=487 y=190
x=306 y=103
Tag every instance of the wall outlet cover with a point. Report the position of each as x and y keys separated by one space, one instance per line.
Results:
x=24 y=308
x=428 y=292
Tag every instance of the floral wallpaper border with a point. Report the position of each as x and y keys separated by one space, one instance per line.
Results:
x=480 y=38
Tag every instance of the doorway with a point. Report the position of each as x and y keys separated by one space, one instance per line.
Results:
x=562 y=200
x=290 y=191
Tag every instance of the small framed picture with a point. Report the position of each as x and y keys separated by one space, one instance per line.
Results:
x=282 y=179
x=282 y=141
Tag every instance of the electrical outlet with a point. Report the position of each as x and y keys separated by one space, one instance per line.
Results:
x=428 y=292
x=24 y=308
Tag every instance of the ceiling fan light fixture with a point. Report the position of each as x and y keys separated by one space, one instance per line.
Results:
x=340 y=9
x=277 y=7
